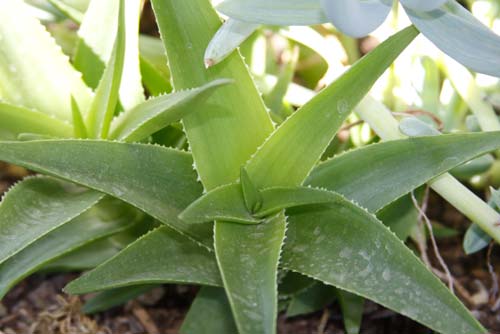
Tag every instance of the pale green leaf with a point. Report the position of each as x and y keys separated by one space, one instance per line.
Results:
x=156 y=113
x=77 y=233
x=370 y=261
x=79 y=128
x=118 y=169
x=288 y=156
x=29 y=57
x=161 y=256
x=15 y=120
x=74 y=12
x=154 y=65
x=35 y=207
x=475 y=239
x=103 y=106
x=229 y=36
x=277 y=12
x=456 y=32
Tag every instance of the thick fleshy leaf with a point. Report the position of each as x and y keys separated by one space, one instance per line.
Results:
x=222 y=139
x=158 y=112
x=227 y=203
x=71 y=236
x=245 y=253
x=114 y=297
x=229 y=36
x=73 y=11
x=94 y=48
x=210 y=313
x=423 y=5
x=35 y=207
x=356 y=18
x=161 y=256
x=456 y=32
x=475 y=239
x=277 y=12
x=103 y=106
x=408 y=163
x=154 y=65
x=15 y=120
x=352 y=310
x=294 y=148
x=118 y=169
x=370 y=261
x=30 y=56
x=316 y=297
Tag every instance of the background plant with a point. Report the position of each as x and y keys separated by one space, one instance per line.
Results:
x=289 y=220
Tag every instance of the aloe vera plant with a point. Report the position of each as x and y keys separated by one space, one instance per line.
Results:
x=200 y=186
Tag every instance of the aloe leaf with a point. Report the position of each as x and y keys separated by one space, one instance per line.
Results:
x=161 y=256
x=244 y=252
x=293 y=149
x=455 y=31
x=24 y=43
x=251 y=195
x=73 y=12
x=94 y=49
x=475 y=239
x=163 y=192
x=115 y=297
x=371 y=262
x=316 y=297
x=222 y=139
x=156 y=113
x=15 y=120
x=154 y=65
x=234 y=120
x=35 y=207
x=227 y=203
x=210 y=313
x=400 y=216
x=82 y=230
x=105 y=101
x=229 y=36
x=278 y=12
x=79 y=128
x=423 y=5
x=293 y=283
x=408 y=163
x=352 y=310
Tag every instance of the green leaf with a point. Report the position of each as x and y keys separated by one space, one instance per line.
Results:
x=248 y=257
x=154 y=65
x=118 y=169
x=80 y=130
x=94 y=49
x=81 y=231
x=474 y=167
x=251 y=195
x=227 y=203
x=35 y=207
x=352 y=310
x=234 y=121
x=280 y=12
x=15 y=120
x=156 y=113
x=408 y=163
x=74 y=12
x=400 y=216
x=232 y=33
x=30 y=57
x=288 y=156
x=371 y=262
x=475 y=239
x=455 y=31
x=115 y=297
x=103 y=106
x=210 y=313
x=293 y=283
x=314 y=298
x=161 y=256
